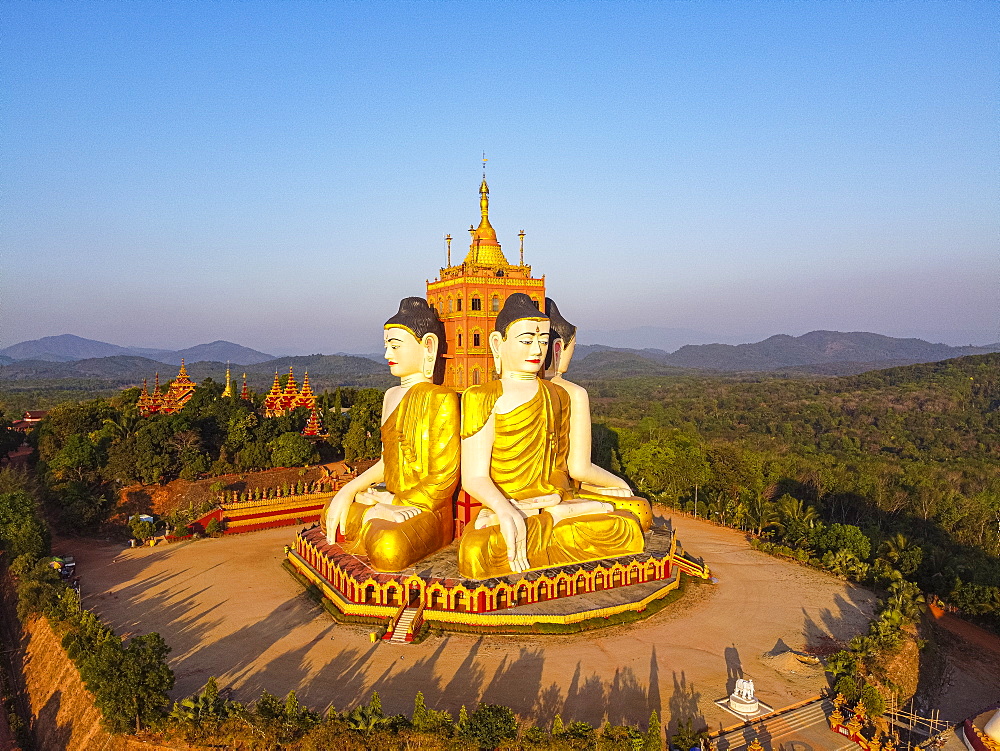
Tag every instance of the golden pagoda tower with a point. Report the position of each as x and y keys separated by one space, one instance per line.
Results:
x=469 y=295
x=229 y=383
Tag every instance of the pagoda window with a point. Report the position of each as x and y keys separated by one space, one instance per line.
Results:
x=458 y=304
x=459 y=338
x=535 y=301
x=475 y=340
x=477 y=304
x=475 y=377
x=449 y=304
x=495 y=304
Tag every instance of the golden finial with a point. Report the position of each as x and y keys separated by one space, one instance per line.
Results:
x=229 y=382
x=521 y=235
x=447 y=239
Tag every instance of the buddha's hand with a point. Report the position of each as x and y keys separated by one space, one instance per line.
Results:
x=336 y=515
x=538 y=502
x=618 y=491
x=370 y=497
x=390 y=513
x=515 y=536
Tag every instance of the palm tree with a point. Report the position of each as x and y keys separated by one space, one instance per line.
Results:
x=902 y=553
x=906 y=597
x=126 y=426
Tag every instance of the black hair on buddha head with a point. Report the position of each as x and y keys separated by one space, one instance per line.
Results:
x=517 y=308
x=419 y=318
x=560 y=326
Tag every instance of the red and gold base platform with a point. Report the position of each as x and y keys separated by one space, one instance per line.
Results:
x=563 y=594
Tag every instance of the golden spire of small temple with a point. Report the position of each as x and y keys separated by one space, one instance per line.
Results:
x=182 y=374
x=229 y=382
x=447 y=239
x=485 y=230
x=484 y=248
x=521 y=235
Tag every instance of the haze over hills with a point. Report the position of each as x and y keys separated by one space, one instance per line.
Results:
x=70 y=348
x=818 y=352
x=829 y=352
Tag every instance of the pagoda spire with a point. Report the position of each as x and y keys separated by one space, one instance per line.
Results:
x=182 y=374
x=229 y=382
x=484 y=247
x=245 y=392
x=485 y=230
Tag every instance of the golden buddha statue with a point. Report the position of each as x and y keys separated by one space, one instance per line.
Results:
x=595 y=482
x=515 y=445
x=412 y=517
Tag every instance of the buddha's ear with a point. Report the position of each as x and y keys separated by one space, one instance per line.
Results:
x=556 y=345
x=496 y=339
x=430 y=343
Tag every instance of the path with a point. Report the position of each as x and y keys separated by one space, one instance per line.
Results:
x=228 y=609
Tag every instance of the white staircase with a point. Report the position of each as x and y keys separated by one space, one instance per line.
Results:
x=403 y=626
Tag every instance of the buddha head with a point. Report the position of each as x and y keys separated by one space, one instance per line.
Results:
x=563 y=343
x=520 y=337
x=413 y=338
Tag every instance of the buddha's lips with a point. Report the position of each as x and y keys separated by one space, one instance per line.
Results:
x=391 y=363
x=533 y=362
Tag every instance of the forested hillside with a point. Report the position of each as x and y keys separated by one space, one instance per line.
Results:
x=911 y=451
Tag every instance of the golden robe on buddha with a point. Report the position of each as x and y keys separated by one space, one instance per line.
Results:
x=529 y=460
x=421 y=454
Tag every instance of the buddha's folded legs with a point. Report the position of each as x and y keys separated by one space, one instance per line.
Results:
x=482 y=553
x=394 y=546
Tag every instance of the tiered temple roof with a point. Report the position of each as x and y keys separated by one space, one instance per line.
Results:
x=282 y=401
x=314 y=427
x=173 y=400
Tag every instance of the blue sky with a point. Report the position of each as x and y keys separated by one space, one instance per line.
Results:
x=281 y=174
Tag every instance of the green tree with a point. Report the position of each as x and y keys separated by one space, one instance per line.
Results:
x=654 y=734
x=845 y=537
x=490 y=725
x=902 y=553
x=291 y=450
x=22 y=531
x=363 y=439
x=130 y=683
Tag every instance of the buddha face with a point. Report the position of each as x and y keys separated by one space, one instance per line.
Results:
x=523 y=350
x=405 y=353
x=562 y=364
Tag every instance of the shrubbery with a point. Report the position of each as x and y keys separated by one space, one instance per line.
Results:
x=129 y=680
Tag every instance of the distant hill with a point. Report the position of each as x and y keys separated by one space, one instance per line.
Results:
x=325 y=372
x=618 y=363
x=219 y=351
x=819 y=352
x=646 y=337
x=816 y=347
x=70 y=348
x=119 y=369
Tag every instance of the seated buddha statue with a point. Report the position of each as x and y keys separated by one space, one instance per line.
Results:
x=412 y=517
x=515 y=441
x=595 y=482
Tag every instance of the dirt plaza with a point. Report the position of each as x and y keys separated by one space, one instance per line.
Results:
x=229 y=610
